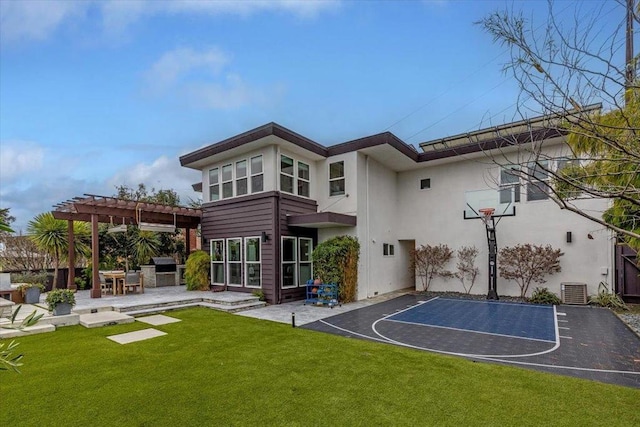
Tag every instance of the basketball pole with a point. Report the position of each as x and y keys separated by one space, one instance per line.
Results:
x=490 y=225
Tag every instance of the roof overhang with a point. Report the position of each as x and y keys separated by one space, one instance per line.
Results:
x=321 y=220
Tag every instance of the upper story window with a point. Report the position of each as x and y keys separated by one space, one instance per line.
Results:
x=303 y=179
x=227 y=181
x=242 y=185
x=537 y=188
x=214 y=184
x=257 y=175
x=286 y=174
x=236 y=179
x=294 y=176
x=510 y=184
x=336 y=179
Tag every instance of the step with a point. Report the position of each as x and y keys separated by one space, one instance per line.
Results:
x=31 y=330
x=104 y=318
x=159 y=306
x=220 y=307
x=90 y=310
x=230 y=298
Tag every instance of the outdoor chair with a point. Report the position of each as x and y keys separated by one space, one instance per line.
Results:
x=133 y=280
x=105 y=286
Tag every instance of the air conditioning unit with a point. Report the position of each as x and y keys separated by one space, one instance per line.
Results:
x=574 y=293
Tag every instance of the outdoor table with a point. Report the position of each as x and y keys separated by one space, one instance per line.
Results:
x=117 y=277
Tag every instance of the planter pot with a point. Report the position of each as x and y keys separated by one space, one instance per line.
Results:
x=62 y=309
x=32 y=296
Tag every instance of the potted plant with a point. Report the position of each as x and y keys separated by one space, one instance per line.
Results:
x=61 y=301
x=31 y=292
x=31 y=285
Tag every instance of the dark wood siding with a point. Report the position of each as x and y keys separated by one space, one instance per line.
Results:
x=292 y=205
x=245 y=217
x=250 y=216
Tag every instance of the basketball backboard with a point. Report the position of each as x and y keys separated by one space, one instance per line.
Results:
x=500 y=200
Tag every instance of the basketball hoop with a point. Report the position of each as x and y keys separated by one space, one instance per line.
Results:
x=486 y=213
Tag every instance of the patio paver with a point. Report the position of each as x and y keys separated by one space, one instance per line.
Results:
x=136 y=336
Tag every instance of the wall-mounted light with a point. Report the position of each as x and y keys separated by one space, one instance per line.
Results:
x=569 y=237
x=265 y=237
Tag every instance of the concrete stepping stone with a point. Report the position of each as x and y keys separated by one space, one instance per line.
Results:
x=130 y=337
x=104 y=318
x=157 y=320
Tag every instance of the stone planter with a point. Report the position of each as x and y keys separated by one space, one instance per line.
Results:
x=62 y=309
x=32 y=295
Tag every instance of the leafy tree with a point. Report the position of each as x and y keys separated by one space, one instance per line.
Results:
x=430 y=261
x=5 y=221
x=528 y=263
x=561 y=70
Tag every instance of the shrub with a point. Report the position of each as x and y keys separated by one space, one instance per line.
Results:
x=528 y=263
x=544 y=296
x=466 y=266
x=80 y=283
x=336 y=261
x=34 y=278
x=429 y=261
x=196 y=271
x=607 y=299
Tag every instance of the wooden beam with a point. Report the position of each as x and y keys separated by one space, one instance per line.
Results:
x=71 y=280
x=96 y=291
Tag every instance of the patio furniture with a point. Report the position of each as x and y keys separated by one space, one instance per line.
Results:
x=133 y=280
x=104 y=285
x=117 y=276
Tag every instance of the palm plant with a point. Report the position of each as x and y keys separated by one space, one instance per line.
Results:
x=144 y=245
x=51 y=236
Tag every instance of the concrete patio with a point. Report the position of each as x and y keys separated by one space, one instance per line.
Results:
x=117 y=309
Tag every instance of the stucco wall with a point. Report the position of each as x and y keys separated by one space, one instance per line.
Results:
x=436 y=216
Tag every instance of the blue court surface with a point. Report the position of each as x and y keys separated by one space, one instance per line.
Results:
x=533 y=322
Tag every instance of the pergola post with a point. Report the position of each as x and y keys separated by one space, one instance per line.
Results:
x=96 y=291
x=71 y=278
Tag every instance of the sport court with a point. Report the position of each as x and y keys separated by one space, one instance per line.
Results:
x=579 y=341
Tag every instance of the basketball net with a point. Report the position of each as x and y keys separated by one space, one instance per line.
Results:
x=487 y=213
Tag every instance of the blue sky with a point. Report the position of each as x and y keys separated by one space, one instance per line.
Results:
x=95 y=94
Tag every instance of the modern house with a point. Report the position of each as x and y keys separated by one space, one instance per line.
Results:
x=271 y=195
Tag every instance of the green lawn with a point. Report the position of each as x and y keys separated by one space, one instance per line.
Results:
x=216 y=369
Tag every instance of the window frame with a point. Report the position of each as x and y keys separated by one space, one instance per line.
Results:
x=300 y=262
x=230 y=262
x=338 y=178
x=244 y=177
x=294 y=262
x=513 y=189
x=248 y=263
x=302 y=180
x=388 y=250
x=253 y=174
x=284 y=174
x=229 y=181
x=216 y=184
x=534 y=190
x=223 y=263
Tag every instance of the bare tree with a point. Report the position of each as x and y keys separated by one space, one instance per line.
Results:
x=577 y=80
x=19 y=253
x=529 y=263
x=430 y=261
x=467 y=270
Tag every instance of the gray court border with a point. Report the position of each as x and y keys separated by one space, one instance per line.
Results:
x=489 y=358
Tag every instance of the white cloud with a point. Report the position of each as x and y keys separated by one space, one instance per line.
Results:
x=39 y=19
x=163 y=173
x=200 y=79
x=19 y=158
x=178 y=64
x=36 y=19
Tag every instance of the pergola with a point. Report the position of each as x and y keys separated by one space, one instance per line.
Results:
x=97 y=209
